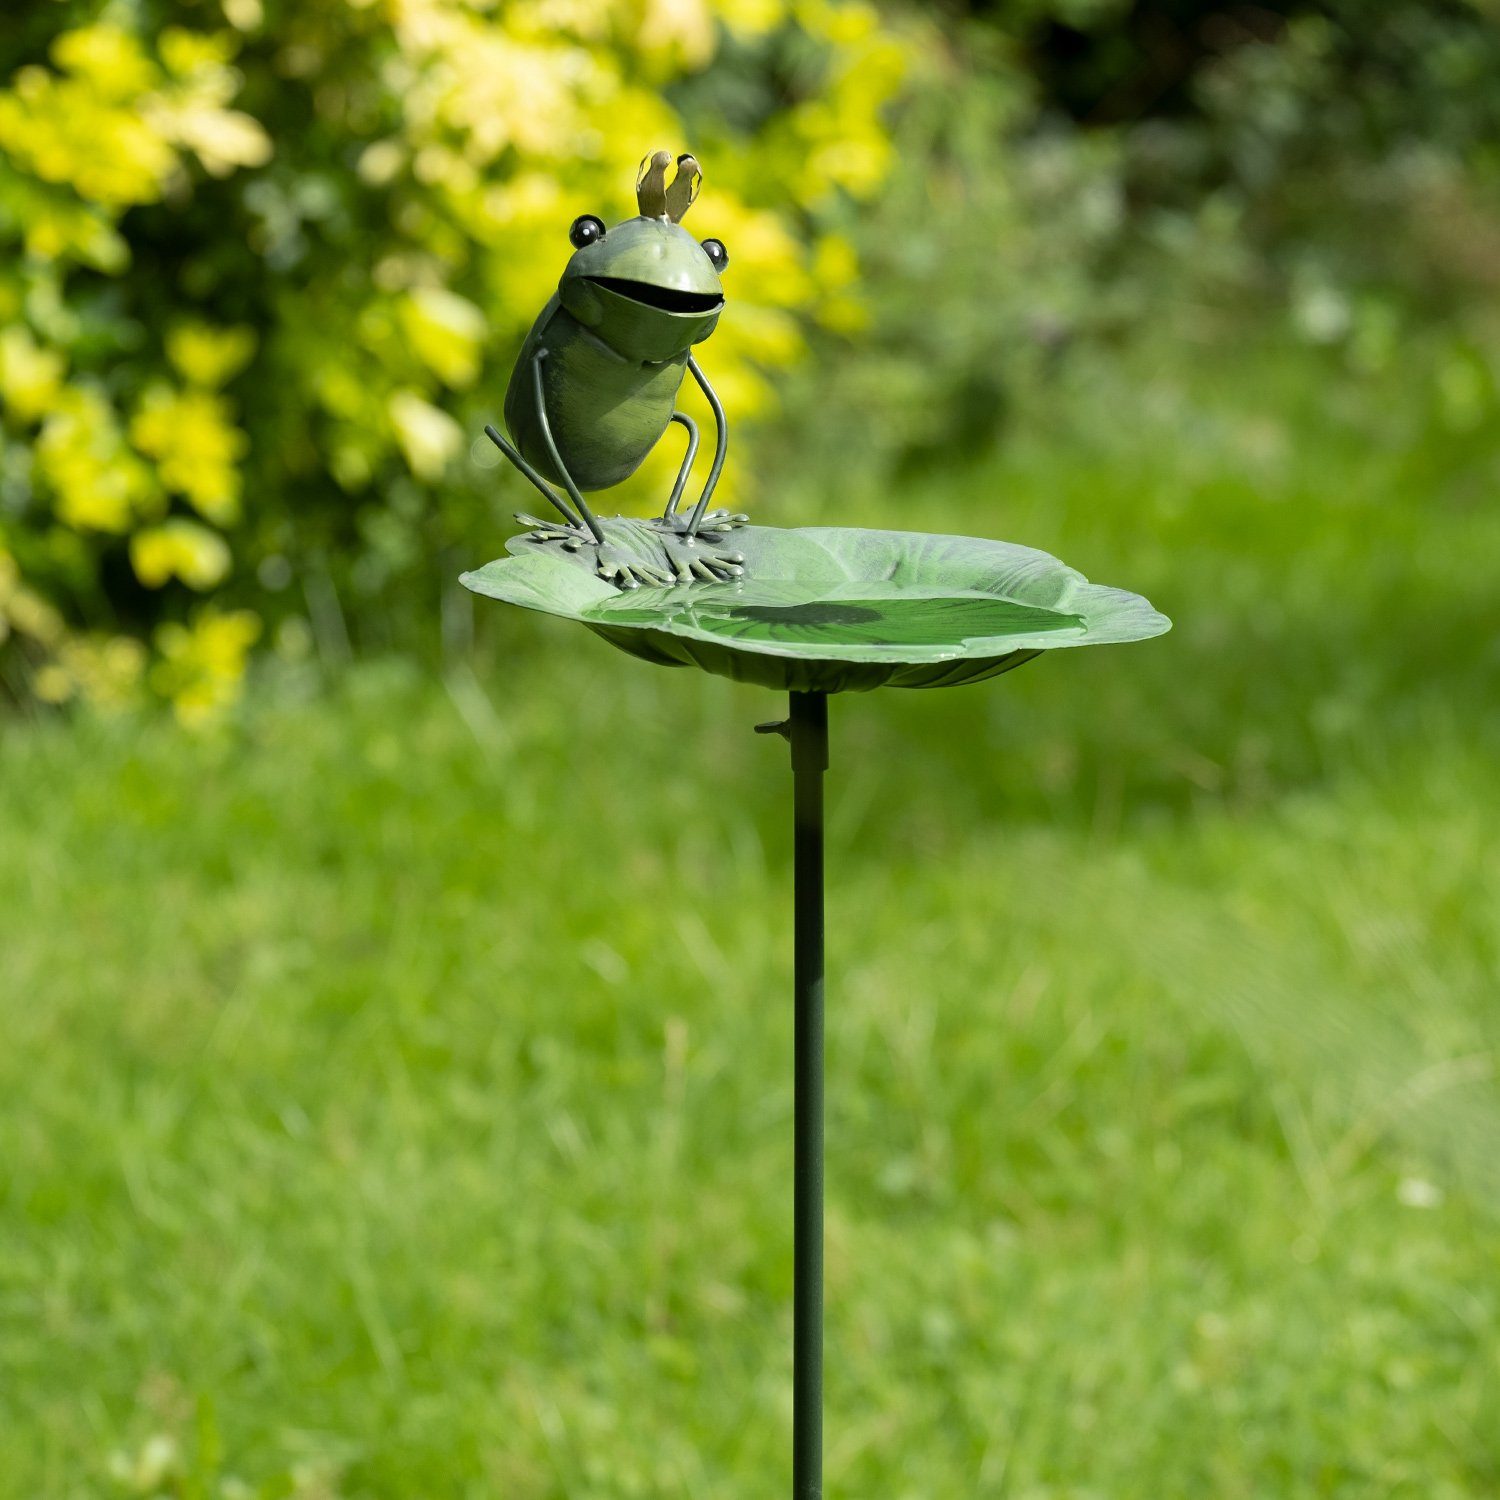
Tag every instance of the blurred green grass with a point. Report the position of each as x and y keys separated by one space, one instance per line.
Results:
x=399 y=1086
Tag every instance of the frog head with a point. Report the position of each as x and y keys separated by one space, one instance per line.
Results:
x=645 y=286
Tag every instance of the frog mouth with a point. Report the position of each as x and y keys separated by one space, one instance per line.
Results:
x=664 y=298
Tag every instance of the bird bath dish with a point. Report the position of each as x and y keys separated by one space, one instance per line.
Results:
x=833 y=609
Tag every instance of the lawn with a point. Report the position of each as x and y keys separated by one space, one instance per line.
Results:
x=397 y=1085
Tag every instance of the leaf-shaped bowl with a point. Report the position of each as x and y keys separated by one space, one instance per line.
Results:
x=833 y=609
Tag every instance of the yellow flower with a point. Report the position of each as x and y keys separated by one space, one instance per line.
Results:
x=222 y=139
x=244 y=15
x=675 y=35
x=208 y=356
x=179 y=549
x=749 y=18
x=23 y=610
x=835 y=269
x=105 y=671
x=492 y=89
x=445 y=332
x=64 y=130
x=108 y=57
x=195 y=445
x=58 y=226
x=429 y=437
x=380 y=161
x=199 y=54
x=201 y=664
x=53 y=683
x=108 y=125
x=192 y=111
x=30 y=376
x=80 y=457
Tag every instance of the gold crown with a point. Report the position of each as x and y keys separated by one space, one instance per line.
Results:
x=659 y=199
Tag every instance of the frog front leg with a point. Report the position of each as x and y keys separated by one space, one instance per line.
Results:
x=720 y=520
x=697 y=558
x=674 y=524
x=694 y=544
x=668 y=520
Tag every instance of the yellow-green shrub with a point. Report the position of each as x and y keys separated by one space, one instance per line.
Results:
x=264 y=264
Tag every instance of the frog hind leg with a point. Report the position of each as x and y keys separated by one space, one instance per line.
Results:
x=696 y=557
x=690 y=525
x=513 y=454
x=589 y=520
x=670 y=521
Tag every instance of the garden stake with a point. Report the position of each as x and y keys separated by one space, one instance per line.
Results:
x=809 y=723
x=809 y=735
x=807 y=729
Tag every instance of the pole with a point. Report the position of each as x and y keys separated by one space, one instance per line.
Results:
x=807 y=729
x=809 y=738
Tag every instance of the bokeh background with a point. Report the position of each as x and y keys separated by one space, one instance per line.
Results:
x=394 y=1045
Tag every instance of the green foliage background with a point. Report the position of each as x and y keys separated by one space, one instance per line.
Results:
x=269 y=261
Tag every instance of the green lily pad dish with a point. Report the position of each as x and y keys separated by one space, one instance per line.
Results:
x=833 y=609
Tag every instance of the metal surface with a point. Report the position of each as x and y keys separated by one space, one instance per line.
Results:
x=809 y=739
x=832 y=610
x=721 y=444
x=687 y=462
x=597 y=381
x=575 y=523
x=829 y=609
x=559 y=468
x=810 y=610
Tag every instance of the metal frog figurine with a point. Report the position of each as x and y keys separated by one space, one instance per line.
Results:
x=595 y=386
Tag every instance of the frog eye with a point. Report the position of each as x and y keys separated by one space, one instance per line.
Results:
x=586 y=230
x=716 y=252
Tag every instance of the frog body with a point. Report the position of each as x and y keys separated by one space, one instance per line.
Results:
x=606 y=412
x=595 y=386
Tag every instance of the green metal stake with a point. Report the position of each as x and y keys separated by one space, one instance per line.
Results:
x=809 y=737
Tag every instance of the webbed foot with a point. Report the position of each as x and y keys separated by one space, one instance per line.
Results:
x=627 y=572
x=700 y=559
x=712 y=528
x=614 y=563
